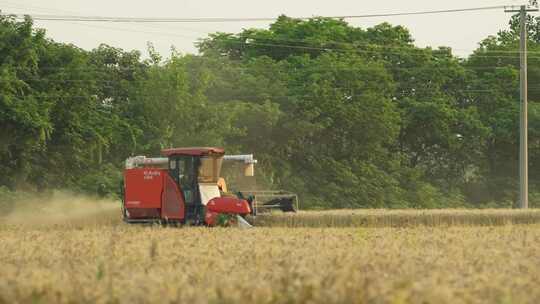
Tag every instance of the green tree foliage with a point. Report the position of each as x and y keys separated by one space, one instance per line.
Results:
x=344 y=116
x=25 y=113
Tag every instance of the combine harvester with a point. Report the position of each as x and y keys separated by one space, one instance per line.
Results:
x=184 y=187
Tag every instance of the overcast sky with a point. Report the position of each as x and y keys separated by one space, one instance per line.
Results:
x=460 y=31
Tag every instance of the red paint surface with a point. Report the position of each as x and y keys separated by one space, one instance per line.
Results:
x=143 y=187
x=152 y=193
x=228 y=205
x=173 y=203
x=210 y=218
x=193 y=151
x=143 y=213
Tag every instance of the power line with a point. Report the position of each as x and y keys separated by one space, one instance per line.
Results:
x=239 y=97
x=322 y=48
x=161 y=27
x=110 y=83
x=410 y=49
x=313 y=48
x=10 y=4
x=479 y=53
x=144 y=68
x=45 y=17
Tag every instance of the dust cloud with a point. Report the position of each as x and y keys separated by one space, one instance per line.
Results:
x=60 y=208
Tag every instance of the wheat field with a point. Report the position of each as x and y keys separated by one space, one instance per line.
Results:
x=379 y=218
x=100 y=260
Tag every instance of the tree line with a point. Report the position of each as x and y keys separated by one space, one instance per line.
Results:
x=346 y=117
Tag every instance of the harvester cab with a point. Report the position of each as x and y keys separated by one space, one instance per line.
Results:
x=184 y=186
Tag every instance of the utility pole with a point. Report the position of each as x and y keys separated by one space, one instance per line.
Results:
x=523 y=132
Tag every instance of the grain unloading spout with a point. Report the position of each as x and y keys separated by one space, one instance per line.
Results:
x=143 y=161
x=247 y=159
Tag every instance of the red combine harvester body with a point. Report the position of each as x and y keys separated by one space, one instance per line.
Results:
x=182 y=187
x=150 y=193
